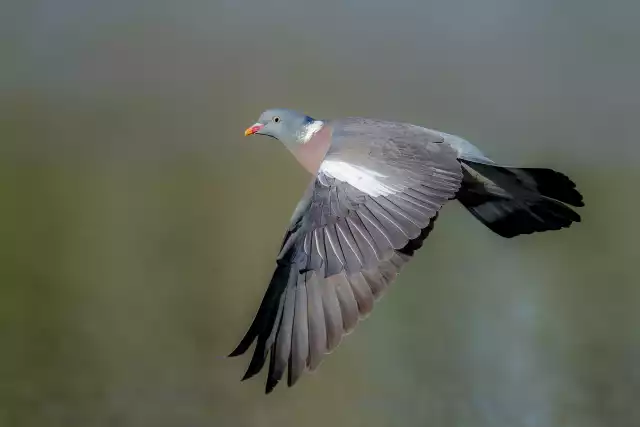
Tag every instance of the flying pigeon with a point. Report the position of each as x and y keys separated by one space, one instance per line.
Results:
x=376 y=191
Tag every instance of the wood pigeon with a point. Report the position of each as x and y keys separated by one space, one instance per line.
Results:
x=376 y=191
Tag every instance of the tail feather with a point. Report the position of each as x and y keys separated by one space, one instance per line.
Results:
x=513 y=201
x=551 y=184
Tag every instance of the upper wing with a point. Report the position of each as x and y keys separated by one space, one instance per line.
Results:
x=360 y=220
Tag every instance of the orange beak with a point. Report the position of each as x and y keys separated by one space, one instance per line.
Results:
x=253 y=129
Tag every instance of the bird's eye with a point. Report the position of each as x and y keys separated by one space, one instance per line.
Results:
x=276 y=119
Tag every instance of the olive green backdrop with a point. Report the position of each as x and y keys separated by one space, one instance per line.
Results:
x=138 y=228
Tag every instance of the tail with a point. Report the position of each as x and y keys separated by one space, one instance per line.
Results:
x=514 y=201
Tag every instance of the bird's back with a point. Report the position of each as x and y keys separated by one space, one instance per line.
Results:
x=381 y=137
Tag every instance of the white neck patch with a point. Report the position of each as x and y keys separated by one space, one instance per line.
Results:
x=365 y=180
x=311 y=130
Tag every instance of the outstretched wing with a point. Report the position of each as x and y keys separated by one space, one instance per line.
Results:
x=360 y=220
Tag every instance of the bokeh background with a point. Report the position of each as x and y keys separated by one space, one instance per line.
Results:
x=138 y=227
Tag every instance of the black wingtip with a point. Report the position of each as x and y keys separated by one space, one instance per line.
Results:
x=247 y=340
x=255 y=366
x=251 y=371
x=265 y=312
x=247 y=375
x=237 y=352
x=271 y=384
x=257 y=361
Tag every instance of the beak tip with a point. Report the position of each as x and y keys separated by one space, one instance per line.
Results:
x=253 y=129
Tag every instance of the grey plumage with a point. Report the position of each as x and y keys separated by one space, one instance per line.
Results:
x=376 y=194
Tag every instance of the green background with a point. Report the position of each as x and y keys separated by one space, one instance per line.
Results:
x=138 y=227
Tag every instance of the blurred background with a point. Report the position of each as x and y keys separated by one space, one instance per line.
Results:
x=138 y=227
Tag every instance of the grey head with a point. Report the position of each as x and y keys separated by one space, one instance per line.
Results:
x=288 y=126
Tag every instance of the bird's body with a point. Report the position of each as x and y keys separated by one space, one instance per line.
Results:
x=377 y=189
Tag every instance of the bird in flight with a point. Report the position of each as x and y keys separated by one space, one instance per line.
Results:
x=376 y=191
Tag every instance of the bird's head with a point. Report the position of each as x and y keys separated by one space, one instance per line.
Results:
x=288 y=126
